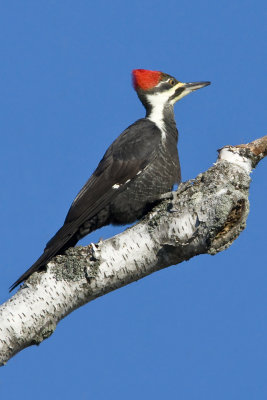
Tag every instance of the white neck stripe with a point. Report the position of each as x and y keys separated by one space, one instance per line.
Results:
x=158 y=102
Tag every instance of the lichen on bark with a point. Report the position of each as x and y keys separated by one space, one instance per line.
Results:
x=205 y=215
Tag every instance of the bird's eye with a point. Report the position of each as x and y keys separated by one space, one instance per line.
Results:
x=172 y=82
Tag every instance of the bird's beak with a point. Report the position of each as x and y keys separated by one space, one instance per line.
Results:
x=183 y=89
x=190 y=87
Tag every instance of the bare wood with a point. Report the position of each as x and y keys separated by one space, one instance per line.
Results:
x=205 y=216
x=257 y=147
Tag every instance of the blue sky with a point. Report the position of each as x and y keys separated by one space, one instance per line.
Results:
x=196 y=331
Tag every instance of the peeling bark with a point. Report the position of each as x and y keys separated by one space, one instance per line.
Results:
x=205 y=216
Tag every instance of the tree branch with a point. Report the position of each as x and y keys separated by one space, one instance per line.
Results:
x=205 y=216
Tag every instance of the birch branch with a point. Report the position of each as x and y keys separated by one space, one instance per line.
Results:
x=205 y=216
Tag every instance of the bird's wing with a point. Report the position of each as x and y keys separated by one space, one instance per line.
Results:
x=130 y=153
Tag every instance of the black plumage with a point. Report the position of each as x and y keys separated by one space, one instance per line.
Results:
x=138 y=167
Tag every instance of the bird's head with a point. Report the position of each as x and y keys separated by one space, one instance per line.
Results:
x=158 y=88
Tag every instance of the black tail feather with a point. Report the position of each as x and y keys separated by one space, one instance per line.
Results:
x=56 y=248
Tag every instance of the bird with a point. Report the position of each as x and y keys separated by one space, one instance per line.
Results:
x=138 y=168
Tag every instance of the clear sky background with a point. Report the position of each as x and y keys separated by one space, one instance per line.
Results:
x=193 y=331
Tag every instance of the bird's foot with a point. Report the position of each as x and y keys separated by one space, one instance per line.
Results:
x=166 y=196
x=183 y=186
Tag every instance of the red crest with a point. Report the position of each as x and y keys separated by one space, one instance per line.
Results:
x=145 y=79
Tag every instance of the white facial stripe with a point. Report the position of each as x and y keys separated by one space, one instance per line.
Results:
x=180 y=96
x=158 y=101
x=184 y=93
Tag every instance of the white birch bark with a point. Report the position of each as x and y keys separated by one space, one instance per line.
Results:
x=205 y=216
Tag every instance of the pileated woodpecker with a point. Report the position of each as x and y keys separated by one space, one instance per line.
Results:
x=137 y=169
